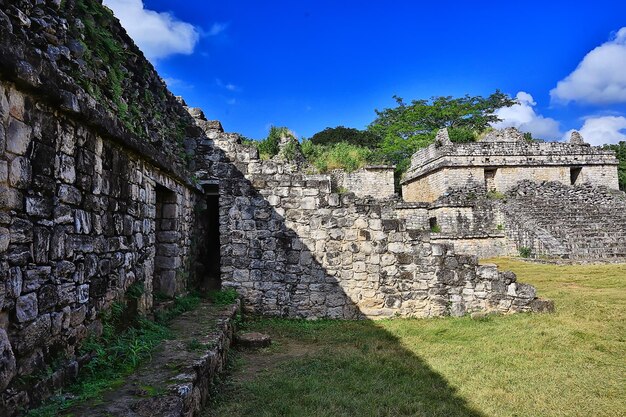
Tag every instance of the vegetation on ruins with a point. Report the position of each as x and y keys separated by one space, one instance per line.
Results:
x=569 y=363
x=125 y=343
x=269 y=147
x=620 y=152
x=410 y=126
x=397 y=133
x=342 y=155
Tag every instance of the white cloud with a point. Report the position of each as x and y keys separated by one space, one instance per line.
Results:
x=600 y=77
x=217 y=28
x=228 y=86
x=523 y=117
x=158 y=35
x=602 y=130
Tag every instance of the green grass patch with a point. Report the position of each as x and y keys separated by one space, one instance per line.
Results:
x=120 y=350
x=223 y=297
x=569 y=363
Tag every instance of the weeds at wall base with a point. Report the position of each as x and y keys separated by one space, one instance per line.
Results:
x=116 y=354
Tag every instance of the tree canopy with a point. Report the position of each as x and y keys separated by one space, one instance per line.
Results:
x=620 y=152
x=410 y=126
x=334 y=135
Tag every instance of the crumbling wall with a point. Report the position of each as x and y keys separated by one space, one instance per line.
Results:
x=77 y=226
x=82 y=152
x=444 y=166
x=294 y=248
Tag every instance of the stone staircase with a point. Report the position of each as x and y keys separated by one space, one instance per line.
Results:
x=555 y=220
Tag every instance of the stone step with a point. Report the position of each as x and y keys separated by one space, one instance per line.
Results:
x=177 y=380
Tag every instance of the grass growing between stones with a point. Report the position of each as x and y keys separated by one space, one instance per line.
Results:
x=570 y=363
x=116 y=354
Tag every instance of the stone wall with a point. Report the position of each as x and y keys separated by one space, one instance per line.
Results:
x=88 y=135
x=294 y=248
x=375 y=181
x=78 y=226
x=579 y=222
x=444 y=166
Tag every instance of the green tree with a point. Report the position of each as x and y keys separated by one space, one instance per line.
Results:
x=410 y=126
x=334 y=135
x=620 y=152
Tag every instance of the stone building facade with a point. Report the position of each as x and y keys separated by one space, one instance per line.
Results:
x=500 y=161
x=503 y=196
x=108 y=182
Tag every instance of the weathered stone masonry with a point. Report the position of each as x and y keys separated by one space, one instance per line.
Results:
x=80 y=216
x=504 y=195
x=100 y=194
x=293 y=247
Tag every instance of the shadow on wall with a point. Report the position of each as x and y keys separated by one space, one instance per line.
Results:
x=292 y=248
x=272 y=266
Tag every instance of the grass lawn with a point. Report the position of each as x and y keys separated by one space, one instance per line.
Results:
x=570 y=363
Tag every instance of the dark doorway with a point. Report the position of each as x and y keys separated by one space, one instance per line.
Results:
x=574 y=174
x=434 y=226
x=209 y=256
x=490 y=179
x=167 y=259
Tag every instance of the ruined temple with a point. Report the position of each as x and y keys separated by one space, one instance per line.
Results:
x=501 y=160
x=504 y=195
x=108 y=180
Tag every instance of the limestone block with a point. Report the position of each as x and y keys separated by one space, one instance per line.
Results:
x=4 y=171
x=69 y=194
x=18 y=137
x=35 y=277
x=41 y=244
x=4 y=107
x=26 y=307
x=82 y=222
x=21 y=231
x=65 y=168
x=38 y=206
x=20 y=172
x=34 y=334
x=487 y=271
x=5 y=239
x=8 y=367
x=77 y=316
x=10 y=199
x=14 y=283
x=167 y=262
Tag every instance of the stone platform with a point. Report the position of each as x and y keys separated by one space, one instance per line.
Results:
x=176 y=381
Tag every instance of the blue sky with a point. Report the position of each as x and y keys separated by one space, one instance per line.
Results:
x=310 y=65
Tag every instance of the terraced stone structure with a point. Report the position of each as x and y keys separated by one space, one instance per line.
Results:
x=502 y=159
x=505 y=196
x=108 y=182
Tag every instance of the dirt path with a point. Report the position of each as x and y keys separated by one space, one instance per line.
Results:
x=257 y=361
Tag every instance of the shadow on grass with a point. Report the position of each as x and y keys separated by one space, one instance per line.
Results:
x=334 y=368
x=350 y=368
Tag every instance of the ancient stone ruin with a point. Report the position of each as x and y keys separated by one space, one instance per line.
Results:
x=503 y=195
x=107 y=180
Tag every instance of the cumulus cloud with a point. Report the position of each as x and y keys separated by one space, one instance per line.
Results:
x=602 y=130
x=600 y=77
x=158 y=35
x=523 y=117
